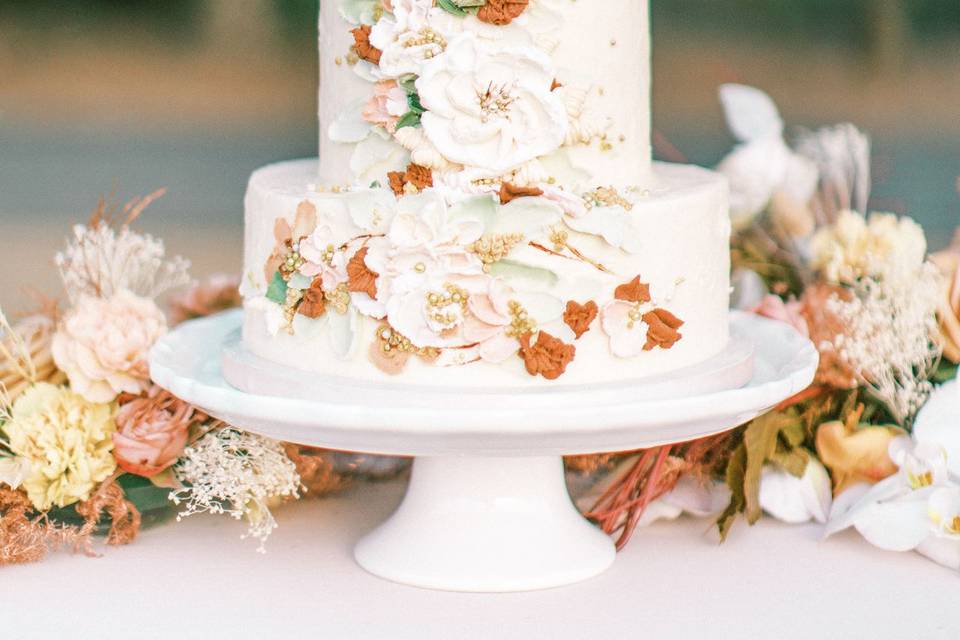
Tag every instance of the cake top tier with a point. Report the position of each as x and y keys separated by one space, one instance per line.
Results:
x=479 y=92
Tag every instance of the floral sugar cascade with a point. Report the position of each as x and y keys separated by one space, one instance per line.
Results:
x=86 y=440
x=450 y=256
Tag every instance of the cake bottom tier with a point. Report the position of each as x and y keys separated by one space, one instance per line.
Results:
x=673 y=239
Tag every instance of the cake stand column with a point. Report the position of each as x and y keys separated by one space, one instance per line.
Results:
x=486 y=524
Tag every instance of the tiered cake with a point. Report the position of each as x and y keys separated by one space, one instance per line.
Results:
x=485 y=212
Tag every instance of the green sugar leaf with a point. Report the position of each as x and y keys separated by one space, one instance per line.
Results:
x=277 y=291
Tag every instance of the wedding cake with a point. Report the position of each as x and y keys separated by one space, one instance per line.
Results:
x=485 y=211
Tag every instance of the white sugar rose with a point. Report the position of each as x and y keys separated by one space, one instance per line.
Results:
x=491 y=107
x=102 y=344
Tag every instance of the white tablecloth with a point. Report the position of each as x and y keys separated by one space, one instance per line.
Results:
x=197 y=579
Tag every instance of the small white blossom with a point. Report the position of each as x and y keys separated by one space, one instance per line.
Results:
x=236 y=473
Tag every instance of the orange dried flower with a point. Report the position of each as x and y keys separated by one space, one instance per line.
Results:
x=510 y=192
x=151 y=432
x=501 y=12
x=360 y=278
x=314 y=302
x=365 y=50
x=579 y=316
x=549 y=357
x=633 y=291
x=216 y=294
x=824 y=327
x=662 y=331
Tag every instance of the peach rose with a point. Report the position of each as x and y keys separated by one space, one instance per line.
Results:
x=775 y=308
x=102 y=344
x=388 y=104
x=151 y=432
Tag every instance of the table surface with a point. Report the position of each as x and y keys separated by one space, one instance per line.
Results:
x=198 y=579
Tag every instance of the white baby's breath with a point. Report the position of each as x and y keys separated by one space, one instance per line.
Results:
x=890 y=324
x=236 y=473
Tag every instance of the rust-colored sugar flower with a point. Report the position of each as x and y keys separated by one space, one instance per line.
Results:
x=365 y=50
x=510 y=192
x=662 y=331
x=415 y=177
x=501 y=12
x=549 y=357
x=579 y=316
x=314 y=301
x=633 y=291
x=360 y=277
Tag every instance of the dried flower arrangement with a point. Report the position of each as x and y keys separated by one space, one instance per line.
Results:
x=87 y=442
x=880 y=311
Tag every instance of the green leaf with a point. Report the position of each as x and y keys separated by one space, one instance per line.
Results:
x=469 y=4
x=793 y=461
x=408 y=83
x=410 y=119
x=413 y=99
x=735 y=474
x=277 y=291
x=450 y=7
x=760 y=440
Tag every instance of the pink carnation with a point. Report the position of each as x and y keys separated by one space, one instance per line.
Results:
x=775 y=308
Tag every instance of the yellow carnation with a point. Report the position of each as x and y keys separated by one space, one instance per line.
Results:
x=67 y=441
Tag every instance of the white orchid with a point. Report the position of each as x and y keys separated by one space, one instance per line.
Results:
x=491 y=107
x=690 y=496
x=917 y=509
x=762 y=165
x=796 y=500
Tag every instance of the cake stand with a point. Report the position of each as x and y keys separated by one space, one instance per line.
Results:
x=487 y=507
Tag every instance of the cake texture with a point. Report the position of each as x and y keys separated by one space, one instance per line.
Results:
x=485 y=211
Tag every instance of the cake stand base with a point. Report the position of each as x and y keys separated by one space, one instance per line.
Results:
x=487 y=508
x=486 y=524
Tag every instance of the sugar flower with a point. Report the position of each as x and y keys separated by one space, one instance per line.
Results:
x=496 y=322
x=103 y=343
x=151 y=432
x=66 y=439
x=407 y=38
x=235 y=473
x=387 y=104
x=491 y=108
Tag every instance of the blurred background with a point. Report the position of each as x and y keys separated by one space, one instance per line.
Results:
x=101 y=96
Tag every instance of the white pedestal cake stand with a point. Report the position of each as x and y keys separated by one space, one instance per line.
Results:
x=487 y=508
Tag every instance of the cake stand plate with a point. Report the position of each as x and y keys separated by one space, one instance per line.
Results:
x=487 y=507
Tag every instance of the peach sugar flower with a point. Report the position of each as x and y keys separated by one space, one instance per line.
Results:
x=387 y=105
